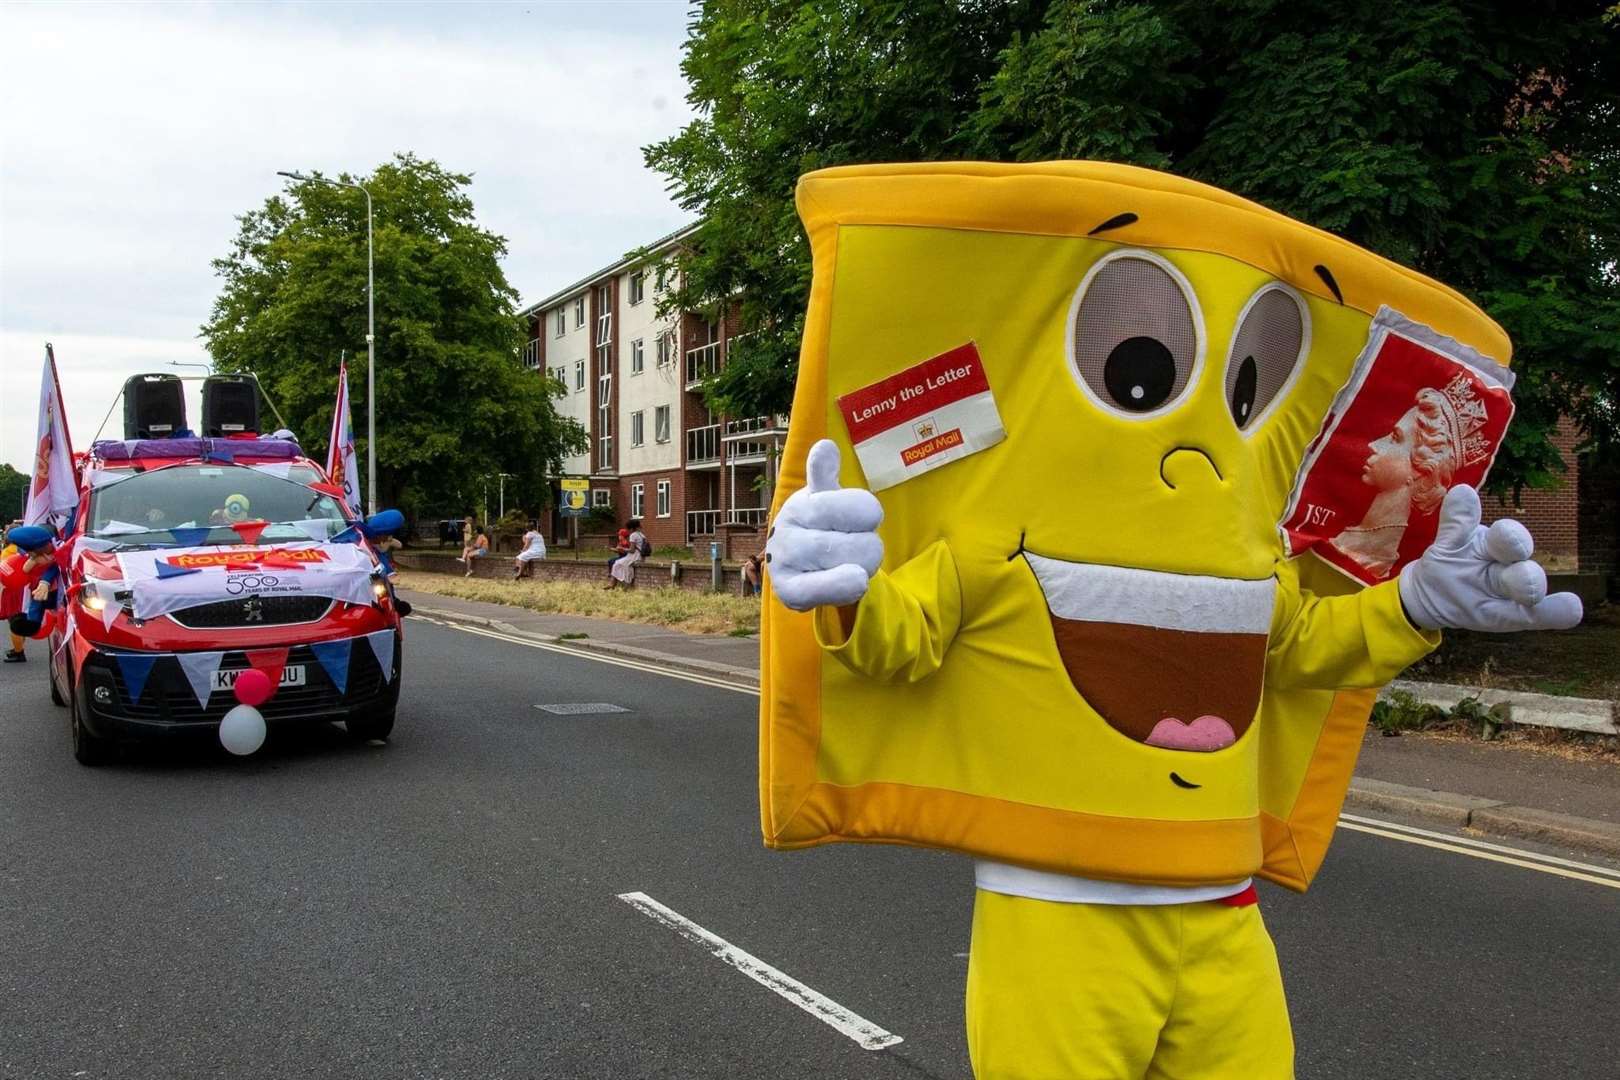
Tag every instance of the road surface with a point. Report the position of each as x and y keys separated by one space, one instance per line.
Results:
x=450 y=905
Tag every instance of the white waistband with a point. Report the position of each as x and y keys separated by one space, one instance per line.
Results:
x=1064 y=889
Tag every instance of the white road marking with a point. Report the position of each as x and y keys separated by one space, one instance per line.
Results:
x=867 y=1034
x=1450 y=844
x=1483 y=845
x=600 y=658
x=1389 y=830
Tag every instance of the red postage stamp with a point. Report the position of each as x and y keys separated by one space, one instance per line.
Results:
x=1421 y=414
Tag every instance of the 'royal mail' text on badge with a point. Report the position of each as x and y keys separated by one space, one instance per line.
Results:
x=923 y=417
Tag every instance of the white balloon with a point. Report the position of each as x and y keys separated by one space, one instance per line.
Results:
x=242 y=731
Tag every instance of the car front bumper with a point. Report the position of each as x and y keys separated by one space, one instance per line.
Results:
x=167 y=705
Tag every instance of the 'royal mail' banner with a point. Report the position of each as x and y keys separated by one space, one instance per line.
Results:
x=1420 y=414
x=173 y=579
x=928 y=415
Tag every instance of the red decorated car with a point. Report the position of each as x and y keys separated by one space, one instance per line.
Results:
x=193 y=560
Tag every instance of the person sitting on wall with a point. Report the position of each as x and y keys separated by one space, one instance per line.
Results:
x=621 y=568
x=752 y=569
x=534 y=547
x=477 y=550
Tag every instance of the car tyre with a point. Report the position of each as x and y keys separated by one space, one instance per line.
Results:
x=375 y=726
x=88 y=749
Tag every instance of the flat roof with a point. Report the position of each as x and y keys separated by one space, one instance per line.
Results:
x=609 y=271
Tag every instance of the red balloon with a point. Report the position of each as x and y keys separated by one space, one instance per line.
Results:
x=11 y=571
x=253 y=687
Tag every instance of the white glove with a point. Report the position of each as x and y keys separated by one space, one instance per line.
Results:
x=824 y=547
x=1478 y=578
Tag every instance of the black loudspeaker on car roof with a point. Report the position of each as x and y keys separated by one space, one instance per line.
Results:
x=154 y=407
x=230 y=406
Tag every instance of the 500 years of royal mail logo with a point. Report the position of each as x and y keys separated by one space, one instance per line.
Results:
x=237 y=584
x=923 y=417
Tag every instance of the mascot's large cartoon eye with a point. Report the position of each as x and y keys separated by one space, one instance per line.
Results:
x=1134 y=333
x=1272 y=338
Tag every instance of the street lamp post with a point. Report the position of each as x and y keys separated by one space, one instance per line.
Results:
x=503 y=477
x=371 y=339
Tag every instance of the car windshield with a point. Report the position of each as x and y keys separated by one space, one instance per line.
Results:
x=140 y=511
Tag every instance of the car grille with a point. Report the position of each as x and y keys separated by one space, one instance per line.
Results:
x=271 y=611
x=167 y=696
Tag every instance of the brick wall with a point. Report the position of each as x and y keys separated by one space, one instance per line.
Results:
x=742 y=541
x=1599 y=489
x=669 y=530
x=1551 y=515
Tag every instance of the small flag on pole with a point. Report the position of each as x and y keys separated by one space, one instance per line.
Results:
x=342 y=464
x=52 y=491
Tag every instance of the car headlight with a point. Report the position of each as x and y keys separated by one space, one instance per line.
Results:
x=95 y=601
x=379 y=588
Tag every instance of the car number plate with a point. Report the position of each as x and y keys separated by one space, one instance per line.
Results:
x=291 y=675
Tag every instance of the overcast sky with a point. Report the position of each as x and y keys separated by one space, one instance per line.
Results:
x=131 y=135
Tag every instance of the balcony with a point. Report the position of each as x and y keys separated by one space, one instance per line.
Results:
x=701 y=523
x=702 y=364
x=752 y=439
x=531 y=354
x=747 y=515
x=703 y=445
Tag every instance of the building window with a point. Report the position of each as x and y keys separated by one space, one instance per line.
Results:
x=638 y=500
x=661 y=424
x=601 y=497
x=638 y=286
x=604 y=419
x=663 y=498
x=579 y=313
x=661 y=279
x=637 y=427
x=579 y=374
x=638 y=357
x=604 y=316
x=666 y=348
x=560 y=323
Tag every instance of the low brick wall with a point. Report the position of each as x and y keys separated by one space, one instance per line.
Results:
x=650 y=572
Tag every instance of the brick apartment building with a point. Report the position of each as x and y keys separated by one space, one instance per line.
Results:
x=658 y=453
x=633 y=379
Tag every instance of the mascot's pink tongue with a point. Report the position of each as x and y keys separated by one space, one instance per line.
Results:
x=1205 y=733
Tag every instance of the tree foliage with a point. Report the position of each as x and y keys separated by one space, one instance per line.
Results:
x=454 y=402
x=13 y=493
x=1479 y=143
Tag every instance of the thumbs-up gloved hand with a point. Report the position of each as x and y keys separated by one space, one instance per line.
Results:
x=824 y=547
x=1478 y=578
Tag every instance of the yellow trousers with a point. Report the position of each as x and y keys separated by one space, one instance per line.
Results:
x=1119 y=992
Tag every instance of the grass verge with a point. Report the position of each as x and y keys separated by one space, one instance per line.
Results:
x=680 y=609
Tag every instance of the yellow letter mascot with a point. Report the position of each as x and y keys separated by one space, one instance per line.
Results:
x=1108 y=502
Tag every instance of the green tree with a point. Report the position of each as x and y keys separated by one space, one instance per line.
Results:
x=454 y=402
x=1479 y=143
x=13 y=489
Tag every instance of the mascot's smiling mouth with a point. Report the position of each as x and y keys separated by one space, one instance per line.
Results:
x=1171 y=660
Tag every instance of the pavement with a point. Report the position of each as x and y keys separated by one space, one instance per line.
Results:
x=449 y=905
x=1494 y=789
